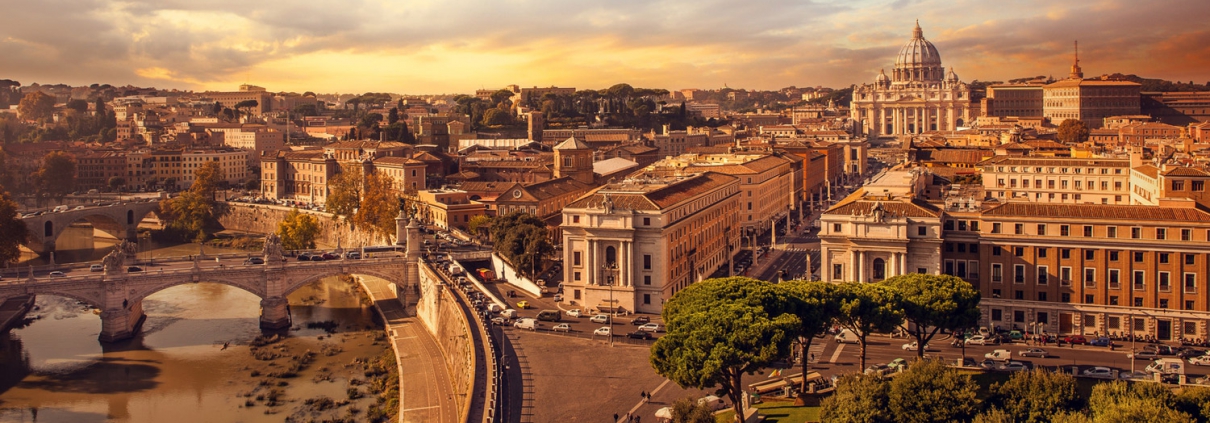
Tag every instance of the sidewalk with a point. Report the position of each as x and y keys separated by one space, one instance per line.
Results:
x=425 y=391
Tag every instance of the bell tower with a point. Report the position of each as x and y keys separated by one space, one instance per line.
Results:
x=573 y=158
x=1076 y=72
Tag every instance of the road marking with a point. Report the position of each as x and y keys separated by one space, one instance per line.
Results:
x=836 y=354
x=422 y=408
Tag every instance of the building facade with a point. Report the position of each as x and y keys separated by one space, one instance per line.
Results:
x=1057 y=180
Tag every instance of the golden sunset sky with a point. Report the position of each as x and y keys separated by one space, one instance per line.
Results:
x=458 y=46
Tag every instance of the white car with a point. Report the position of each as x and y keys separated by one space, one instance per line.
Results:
x=1014 y=366
x=575 y=312
x=912 y=346
x=603 y=331
x=57 y=274
x=1098 y=373
x=1203 y=360
x=652 y=327
x=558 y=298
x=600 y=318
x=981 y=340
x=562 y=327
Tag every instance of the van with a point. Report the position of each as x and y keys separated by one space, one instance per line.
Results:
x=550 y=315
x=509 y=313
x=846 y=337
x=530 y=324
x=494 y=308
x=1168 y=366
x=999 y=355
x=60 y=209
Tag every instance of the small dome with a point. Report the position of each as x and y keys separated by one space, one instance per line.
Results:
x=918 y=52
x=951 y=76
x=882 y=77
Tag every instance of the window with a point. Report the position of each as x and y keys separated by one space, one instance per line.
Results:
x=995 y=228
x=1138 y=256
x=974 y=248
x=575 y=258
x=1088 y=231
x=975 y=225
x=1064 y=230
x=1019 y=273
x=949 y=267
x=1041 y=229
x=1041 y=297
x=1111 y=232
x=1113 y=256
x=1019 y=294
x=1089 y=299
x=647 y=280
x=836 y=227
x=1090 y=277
x=996 y=251
x=1190 y=283
x=1065 y=276
x=1136 y=233
x=1138 y=302
x=961 y=269
x=646 y=221
x=1019 y=229
x=1161 y=233
x=1178 y=185
x=1065 y=253
x=1199 y=185
x=647 y=261
x=997 y=272
x=949 y=225
x=575 y=219
x=1114 y=278
x=961 y=247
x=837 y=271
x=576 y=275
x=1065 y=297
x=922 y=230
x=1113 y=300
x=1163 y=258
x=1019 y=251
x=1139 y=280
x=1041 y=252
x=1164 y=282
x=646 y=298
x=1090 y=255
x=1019 y=316
x=1043 y=275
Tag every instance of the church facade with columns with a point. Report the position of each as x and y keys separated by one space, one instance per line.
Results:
x=918 y=95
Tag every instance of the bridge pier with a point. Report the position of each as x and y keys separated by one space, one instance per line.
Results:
x=274 y=313
x=122 y=323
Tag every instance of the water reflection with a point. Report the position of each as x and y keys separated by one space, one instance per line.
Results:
x=191 y=363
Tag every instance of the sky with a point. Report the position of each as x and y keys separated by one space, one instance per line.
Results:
x=458 y=46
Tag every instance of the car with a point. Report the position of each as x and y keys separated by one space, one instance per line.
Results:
x=562 y=327
x=601 y=331
x=1187 y=352
x=652 y=327
x=304 y=257
x=911 y=346
x=575 y=312
x=969 y=362
x=96 y=268
x=1200 y=360
x=1144 y=355
x=330 y=256
x=1098 y=372
x=639 y=334
x=530 y=324
x=500 y=320
x=641 y=320
x=877 y=369
x=1075 y=339
x=987 y=364
x=982 y=340
x=522 y=304
x=1016 y=334
x=1013 y=366
x=1204 y=380
x=353 y=255
x=898 y=364
x=317 y=257
x=600 y=318
x=1101 y=342
x=57 y=274
x=558 y=298
x=254 y=260
x=1136 y=376
x=999 y=355
x=133 y=269
x=1033 y=352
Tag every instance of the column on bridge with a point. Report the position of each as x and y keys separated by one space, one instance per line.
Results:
x=120 y=317
x=274 y=313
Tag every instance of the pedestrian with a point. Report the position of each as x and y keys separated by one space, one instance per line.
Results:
x=812 y=357
x=615 y=417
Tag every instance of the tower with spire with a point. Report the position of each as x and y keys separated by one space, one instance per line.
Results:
x=1076 y=72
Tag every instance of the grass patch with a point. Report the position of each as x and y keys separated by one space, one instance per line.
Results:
x=777 y=412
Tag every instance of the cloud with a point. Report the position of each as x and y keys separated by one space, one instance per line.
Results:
x=431 y=46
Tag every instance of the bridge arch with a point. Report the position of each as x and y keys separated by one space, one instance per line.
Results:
x=253 y=287
x=97 y=303
x=294 y=286
x=117 y=220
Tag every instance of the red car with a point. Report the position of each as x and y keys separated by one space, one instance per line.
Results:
x=1075 y=339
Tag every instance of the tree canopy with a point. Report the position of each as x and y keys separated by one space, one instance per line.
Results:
x=344 y=193
x=298 y=230
x=815 y=306
x=57 y=176
x=13 y=231
x=378 y=208
x=1035 y=396
x=866 y=309
x=930 y=391
x=931 y=303
x=1073 y=131
x=36 y=105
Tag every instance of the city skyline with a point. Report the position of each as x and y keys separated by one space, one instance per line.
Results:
x=431 y=47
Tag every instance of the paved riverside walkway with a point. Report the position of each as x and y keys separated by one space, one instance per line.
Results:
x=426 y=394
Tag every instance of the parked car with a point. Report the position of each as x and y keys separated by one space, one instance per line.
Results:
x=1033 y=352
x=304 y=257
x=898 y=364
x=330 y=256
x=1203 y=360
x=133 y=269
x=987 y=364
x=254 y=260
x=1101 y=342
x=600 y=318
x=1098 y=373
x=652 y=327
x=1144 y=355
x=982 y=340
x=1137 y=376
x=1075 y=339
x=1014 y=366
x=317 y=257
x=877 y=369
x=602 y=331
x=575 y=312
x=353 y=255
x=644 y=335
x=912 y=346
x=1187 y=352
x=96 y=268
x=641 y=320
x=57 y=274
x=562 y=327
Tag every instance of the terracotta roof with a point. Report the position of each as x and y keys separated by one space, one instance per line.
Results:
x=555 y=187
x=496 y=187
x=653 y=197
x=1149 y=170
x=1093 y=212
x=572 y=144
x=1055 y=161
x=1186 y=171
x=893 y=207
x=397 y=160
x=954 y=155
x=1091 y=82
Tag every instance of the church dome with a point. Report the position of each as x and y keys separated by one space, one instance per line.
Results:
x=882 y=78
x=951 y=76
x=918 y=52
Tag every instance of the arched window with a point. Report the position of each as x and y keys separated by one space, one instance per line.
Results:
x=49 y=229
x=611 y=255
x=879 y=269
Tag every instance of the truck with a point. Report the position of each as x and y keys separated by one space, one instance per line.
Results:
x=846 y=337
x=486 y=274
x=455 y=269
x=1167 y=366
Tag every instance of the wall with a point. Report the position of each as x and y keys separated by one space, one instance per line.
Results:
x=444 y=318
x=507 y=273
x=261 y=218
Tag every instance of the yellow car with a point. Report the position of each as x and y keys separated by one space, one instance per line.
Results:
x=523 y=304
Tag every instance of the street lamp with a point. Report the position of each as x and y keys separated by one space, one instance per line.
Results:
x=609 y=270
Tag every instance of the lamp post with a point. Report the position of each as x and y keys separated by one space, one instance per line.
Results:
x=610 y=269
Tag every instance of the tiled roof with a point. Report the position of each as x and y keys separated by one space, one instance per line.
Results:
x=893 y=207
x=1058 y=161
x=1186 y=171
x=496 y=187
x=1149 y=170
x=653 y=197
x=572 y=144
x=397 y=160
x=555 y=187
x=954 y=155
x=1093 y=212
x=1090 y=82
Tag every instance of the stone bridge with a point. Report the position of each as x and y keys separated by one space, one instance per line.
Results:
x=119 y=294
x=121 y=220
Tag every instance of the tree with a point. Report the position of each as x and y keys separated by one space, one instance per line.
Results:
x=1120 y=402
x=479 y=224
x=686 y=410
x=116 y=182
x=393 y=116
x=190 y=214
x=57 y=176
x=1073 y=131
x=866 y=309
x=80 y=106
x=1195 y=401
x=379 y=207
x=1035 y=397
x=930 y=391
x=6 y=173
x=858 y=398
x=814 y=305
x=36 y=105
x=712 y=339
x=246 y=106
x=496 y=117
x=932 y=303
x=298 y=231
x=13 y=231
x=207 y=178
x=344 y=192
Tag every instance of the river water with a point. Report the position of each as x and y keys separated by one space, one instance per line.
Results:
x=199 y=358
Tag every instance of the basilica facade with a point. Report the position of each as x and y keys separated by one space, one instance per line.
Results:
x=918 y=96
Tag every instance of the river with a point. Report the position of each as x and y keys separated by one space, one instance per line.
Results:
x=201 y=357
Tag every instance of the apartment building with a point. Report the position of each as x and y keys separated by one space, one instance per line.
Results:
x=1057 y=180
x=233 y=165
x=631 y=246
x=769 y=185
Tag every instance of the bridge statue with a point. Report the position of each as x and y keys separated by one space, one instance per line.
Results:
x=273 y=249
x=128 y=249
x=114 y=261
